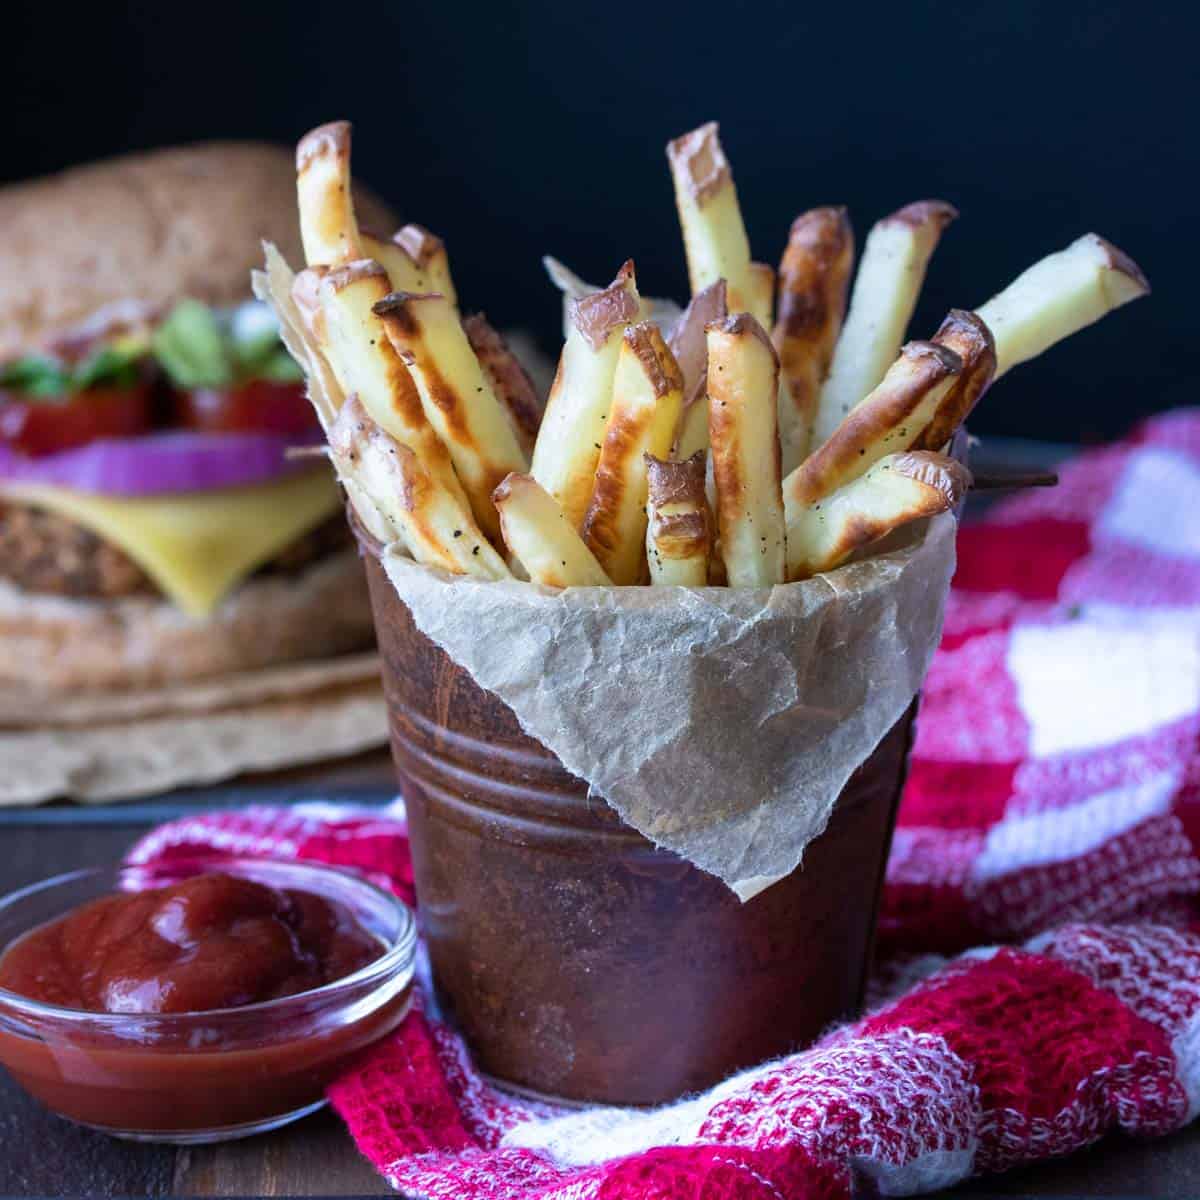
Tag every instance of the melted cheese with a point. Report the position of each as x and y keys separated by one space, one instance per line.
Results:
x=197 y=546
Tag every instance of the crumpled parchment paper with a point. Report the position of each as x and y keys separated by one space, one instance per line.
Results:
x=720 y=723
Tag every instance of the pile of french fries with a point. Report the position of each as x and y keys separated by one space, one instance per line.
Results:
x=767 y=433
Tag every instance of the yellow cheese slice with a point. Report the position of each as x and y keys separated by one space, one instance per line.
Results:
x=197 y=546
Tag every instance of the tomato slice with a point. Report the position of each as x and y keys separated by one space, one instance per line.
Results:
x=261 y=406
x=46 y=425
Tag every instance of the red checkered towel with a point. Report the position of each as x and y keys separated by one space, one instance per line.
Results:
x=1048 y=839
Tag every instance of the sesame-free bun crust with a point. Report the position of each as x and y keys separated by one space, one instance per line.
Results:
x=145 y=230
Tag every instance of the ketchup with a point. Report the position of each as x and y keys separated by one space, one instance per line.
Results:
x=181 y=1047
x=214 y=941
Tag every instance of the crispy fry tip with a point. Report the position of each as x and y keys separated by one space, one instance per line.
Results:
x=670 y=482
x=658 y=363
x=698 y=161
x=1120 y=261
x=938 y=213
x=830 y=221
x=942 y=358
x=332 y=138
x=600 y=314
x=945 y=475
x=739 y=325
x=505 y=488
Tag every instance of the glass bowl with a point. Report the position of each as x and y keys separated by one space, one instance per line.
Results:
x=197 y=1077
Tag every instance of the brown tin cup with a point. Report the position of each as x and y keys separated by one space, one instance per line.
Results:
x=579 y=961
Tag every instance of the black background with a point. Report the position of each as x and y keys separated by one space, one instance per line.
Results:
x=515 y=131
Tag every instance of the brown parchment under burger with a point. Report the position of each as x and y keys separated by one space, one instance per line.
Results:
x=752 y=706
x=115 y=761
x=26 y=707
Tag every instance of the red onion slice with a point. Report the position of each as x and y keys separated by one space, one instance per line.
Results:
x=160 y=463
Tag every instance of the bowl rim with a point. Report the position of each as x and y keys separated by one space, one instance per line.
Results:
x=399 y=955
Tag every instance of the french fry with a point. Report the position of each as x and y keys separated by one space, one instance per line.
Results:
x=892 y=418
x=886 y=288
x=459 y=402
x=435 y=525
x=647 y=396
x=714 y=235
x=969 y=338
x=689 y=345
x=898 y=489
x=760 y=298
x=814 y=277
x=1058 y=296
x=509 y=379
x=366 y=364
x=662 y=311
x=538 y=533
x=328 y=227
x=414 y=259
x=743 y=416
x=679 y=528
x=572 y=431
x=693 y=430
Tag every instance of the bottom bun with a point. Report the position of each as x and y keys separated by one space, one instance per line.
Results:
x=54 y=644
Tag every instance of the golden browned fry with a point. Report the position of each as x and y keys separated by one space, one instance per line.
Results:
x=366 y=364
x=814 y=277
x=890 y=419
x=510 y=381
x=1058 y=296
x=415 y=260
x=714 y=235
x=679 y=530
x=426 y=333
x=572 y=430
x=647 y=396
x=743 y=417
x=436 y=527
x=328 y=227
x=538 y=534
x=969 y=338
x=886 y=288
x=898 y=489
x=689 y=345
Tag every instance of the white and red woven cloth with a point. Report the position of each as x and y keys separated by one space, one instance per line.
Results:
x=1049 y=839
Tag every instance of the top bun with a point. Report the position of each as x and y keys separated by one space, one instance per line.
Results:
x=147 y=230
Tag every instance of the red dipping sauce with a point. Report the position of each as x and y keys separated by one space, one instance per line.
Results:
x=215 y=1005
x=213 y=941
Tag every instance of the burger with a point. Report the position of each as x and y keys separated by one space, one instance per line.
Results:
x=159 y=519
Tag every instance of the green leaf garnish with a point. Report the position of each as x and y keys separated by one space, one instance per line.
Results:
x=195 y=346
x=191 y=348
x=280 y=367
x=36 y=375
x=114 y=366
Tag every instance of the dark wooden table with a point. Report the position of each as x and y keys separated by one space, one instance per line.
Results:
x=41 y=1155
